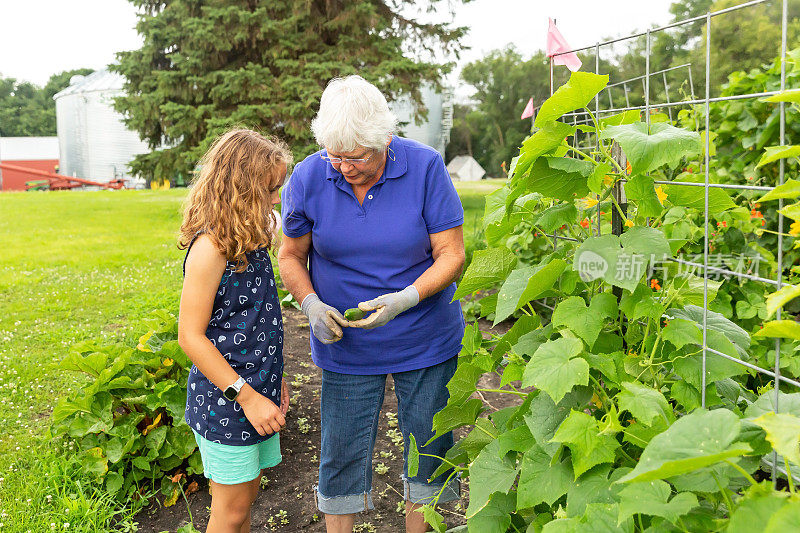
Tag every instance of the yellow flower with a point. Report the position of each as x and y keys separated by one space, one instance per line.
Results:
x=608 y=179
x=588 y=202
x=629 y=223
x=661 y=194
x=794 y=229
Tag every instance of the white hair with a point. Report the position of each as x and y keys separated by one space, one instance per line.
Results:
x=353 y=113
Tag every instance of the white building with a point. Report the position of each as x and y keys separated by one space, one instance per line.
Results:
x=465 y=168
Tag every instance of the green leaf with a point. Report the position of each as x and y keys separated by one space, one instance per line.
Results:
x=554 y=217
x=788 y=403
x=581 y=434
x=779 y=298
x=413 y=456
x=645 y=241
x=602 y=258
x=782 y=329
x=644 y=403
x=792 y=95
x=556 y=368
x=664 y=144
x=641 y=189
x=774 y=153
x=488 y=267
x=495 y=517
x=94 y=461
x=785 y=519
x=462 y=384
x=695 y=441
x=546 y=416
x=783 y=432
x=757 y=507
x=524 y=325
x=790 y=189
x=791 y=211
x=575 y=94
x=546 y=139
x=595 y=486
x=714 y=321
x=540 y=481
x=488 y=474
x=681 y=332
x=114 y=482
x=595 y=180
x=558 y=177
x=518 y=439
x=433 y=517
x=626 y=117
x=525 y=284
x=694 y=197
x=650 y=498
x=586 y=322
x=640 y=303
x=456 y=415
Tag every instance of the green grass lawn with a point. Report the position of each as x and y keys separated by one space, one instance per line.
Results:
x=76 y=266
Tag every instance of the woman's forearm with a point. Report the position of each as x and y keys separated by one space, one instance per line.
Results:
x=445 y=270
x=295 y=276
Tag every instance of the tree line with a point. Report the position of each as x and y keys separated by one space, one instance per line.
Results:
x=206 y=66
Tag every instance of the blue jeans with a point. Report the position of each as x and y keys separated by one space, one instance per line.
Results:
x=350 y=409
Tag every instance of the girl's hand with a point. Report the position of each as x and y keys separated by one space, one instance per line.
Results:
x=262 y=412
x=286 y=392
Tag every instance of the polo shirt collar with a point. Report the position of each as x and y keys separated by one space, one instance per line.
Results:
x=396 y=163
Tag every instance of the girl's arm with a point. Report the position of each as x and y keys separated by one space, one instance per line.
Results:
x=204 y=268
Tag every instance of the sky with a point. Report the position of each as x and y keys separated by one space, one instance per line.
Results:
x=39 y=38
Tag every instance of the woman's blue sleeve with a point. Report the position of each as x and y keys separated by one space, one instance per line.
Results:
x=442 y=209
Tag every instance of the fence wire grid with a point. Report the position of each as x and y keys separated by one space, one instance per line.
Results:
x=579 y=117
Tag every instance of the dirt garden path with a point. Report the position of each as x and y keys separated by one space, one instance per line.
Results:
x=286 y=502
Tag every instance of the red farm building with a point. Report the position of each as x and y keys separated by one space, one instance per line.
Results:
x=36 y=153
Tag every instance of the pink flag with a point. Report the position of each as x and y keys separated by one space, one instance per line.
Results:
x=528 y=110
x=556 y=45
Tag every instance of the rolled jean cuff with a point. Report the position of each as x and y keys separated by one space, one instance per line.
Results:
x=425 y=493
x=349 y=504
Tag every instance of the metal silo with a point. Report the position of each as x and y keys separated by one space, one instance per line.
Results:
x=435 y=131
x=94 y=142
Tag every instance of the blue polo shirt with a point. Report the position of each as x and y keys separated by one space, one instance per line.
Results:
x=359 y=252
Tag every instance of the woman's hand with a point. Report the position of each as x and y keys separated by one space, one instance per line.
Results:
x=262 y=412
x=326 y=321
x=386 y=307
x=286 y=392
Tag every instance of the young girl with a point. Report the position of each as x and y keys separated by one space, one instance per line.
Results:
x=230 y=322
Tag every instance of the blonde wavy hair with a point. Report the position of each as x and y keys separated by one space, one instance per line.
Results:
x=230 y=198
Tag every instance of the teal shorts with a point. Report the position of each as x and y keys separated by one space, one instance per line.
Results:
x=231 y=465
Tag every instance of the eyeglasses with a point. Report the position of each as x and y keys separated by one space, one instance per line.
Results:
x=339 y=160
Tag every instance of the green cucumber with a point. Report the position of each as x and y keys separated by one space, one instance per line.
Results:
x=354 y=314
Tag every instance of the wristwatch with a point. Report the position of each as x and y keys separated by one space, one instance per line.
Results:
x=232 y=391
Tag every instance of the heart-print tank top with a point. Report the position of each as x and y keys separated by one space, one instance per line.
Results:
x=247 y=328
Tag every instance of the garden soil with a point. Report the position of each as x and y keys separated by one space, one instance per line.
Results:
x=286 y=501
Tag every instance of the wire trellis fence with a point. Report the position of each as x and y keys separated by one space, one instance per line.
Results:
x=579 y=117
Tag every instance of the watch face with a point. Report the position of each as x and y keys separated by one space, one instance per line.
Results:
x=230 y=393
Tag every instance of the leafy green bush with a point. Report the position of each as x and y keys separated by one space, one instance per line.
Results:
x=606 y=431
x=127 y=422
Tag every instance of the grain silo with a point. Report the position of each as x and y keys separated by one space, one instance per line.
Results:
x=435 y=130
x=93 y=140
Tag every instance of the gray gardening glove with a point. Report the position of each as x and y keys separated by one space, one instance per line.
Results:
x=386 y=307
x=326 y=322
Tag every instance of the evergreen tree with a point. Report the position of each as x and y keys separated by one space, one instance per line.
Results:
x=208 y=64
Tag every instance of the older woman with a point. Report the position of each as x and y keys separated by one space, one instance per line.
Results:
x=373 y=220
